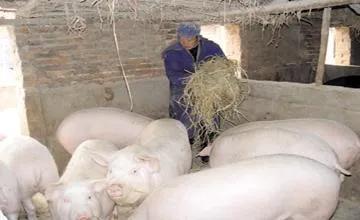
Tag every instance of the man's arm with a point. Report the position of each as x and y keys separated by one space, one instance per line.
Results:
x=218 y=51
x=174 y=69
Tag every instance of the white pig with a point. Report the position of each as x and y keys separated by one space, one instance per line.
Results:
x=33 y=165
x=230 y=148
x=275 y=187
x=118 y=126
x=163 y=152
x=77 y=196
x=80 y=200
x=341 y=138
x=9 y=193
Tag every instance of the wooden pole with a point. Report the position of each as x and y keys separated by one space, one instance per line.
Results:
x=323 y=46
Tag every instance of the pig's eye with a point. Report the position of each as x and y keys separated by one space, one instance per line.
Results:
x=89 y=197
x=134 y=171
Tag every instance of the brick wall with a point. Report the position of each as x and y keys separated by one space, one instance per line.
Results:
x=312 y=40
x=290 y=57
x=52 y=57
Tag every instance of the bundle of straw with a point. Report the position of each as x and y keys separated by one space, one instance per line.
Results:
x=216 y=89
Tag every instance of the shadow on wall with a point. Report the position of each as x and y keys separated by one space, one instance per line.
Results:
x=301 y=73
x=346 y=76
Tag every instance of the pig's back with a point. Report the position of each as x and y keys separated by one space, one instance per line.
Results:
x=118 y=126
x=341 y=138
x=234 y=147
x=267 y=187
x=168 y=140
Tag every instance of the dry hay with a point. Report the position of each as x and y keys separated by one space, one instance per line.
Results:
x=275 y=23
x=216 y=89
x=157 y=11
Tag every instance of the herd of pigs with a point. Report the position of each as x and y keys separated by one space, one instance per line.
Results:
x=132 y=167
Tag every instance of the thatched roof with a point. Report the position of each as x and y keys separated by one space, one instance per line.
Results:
x=204 y=10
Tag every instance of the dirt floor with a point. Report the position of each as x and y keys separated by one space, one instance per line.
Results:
x=347 y=210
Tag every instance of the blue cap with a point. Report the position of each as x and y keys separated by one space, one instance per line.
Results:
x=188 y=30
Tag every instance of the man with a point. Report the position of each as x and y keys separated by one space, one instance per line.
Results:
x=180 y=60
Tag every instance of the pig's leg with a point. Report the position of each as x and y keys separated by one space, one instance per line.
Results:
x=13 y=216
x=29 y=209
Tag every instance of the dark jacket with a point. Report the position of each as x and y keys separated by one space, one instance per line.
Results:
x=180 y=64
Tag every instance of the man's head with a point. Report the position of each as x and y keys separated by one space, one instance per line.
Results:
x=187 y=34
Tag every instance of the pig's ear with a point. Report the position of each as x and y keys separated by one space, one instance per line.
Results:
x=151 y=162
x=99 y=159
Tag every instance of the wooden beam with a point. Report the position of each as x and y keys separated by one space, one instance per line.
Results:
x=356 y=8
x=323 y=46
x=303 y=5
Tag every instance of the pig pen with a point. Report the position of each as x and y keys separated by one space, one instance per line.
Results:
x=268 y=100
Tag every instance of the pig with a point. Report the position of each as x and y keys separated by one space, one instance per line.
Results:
x=80 y=200
x=341 y=138
x=162 y=153
x=10 y=202
x=275 y=187
x=230 y=148
x=118 y=126
x=33 y=166
x=80 y=193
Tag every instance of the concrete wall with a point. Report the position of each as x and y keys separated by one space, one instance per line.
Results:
x=51 y=105
x=12 y=110
x=267 y=101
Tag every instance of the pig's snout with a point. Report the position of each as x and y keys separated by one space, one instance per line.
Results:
x=115 y=190
x=83 y=216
